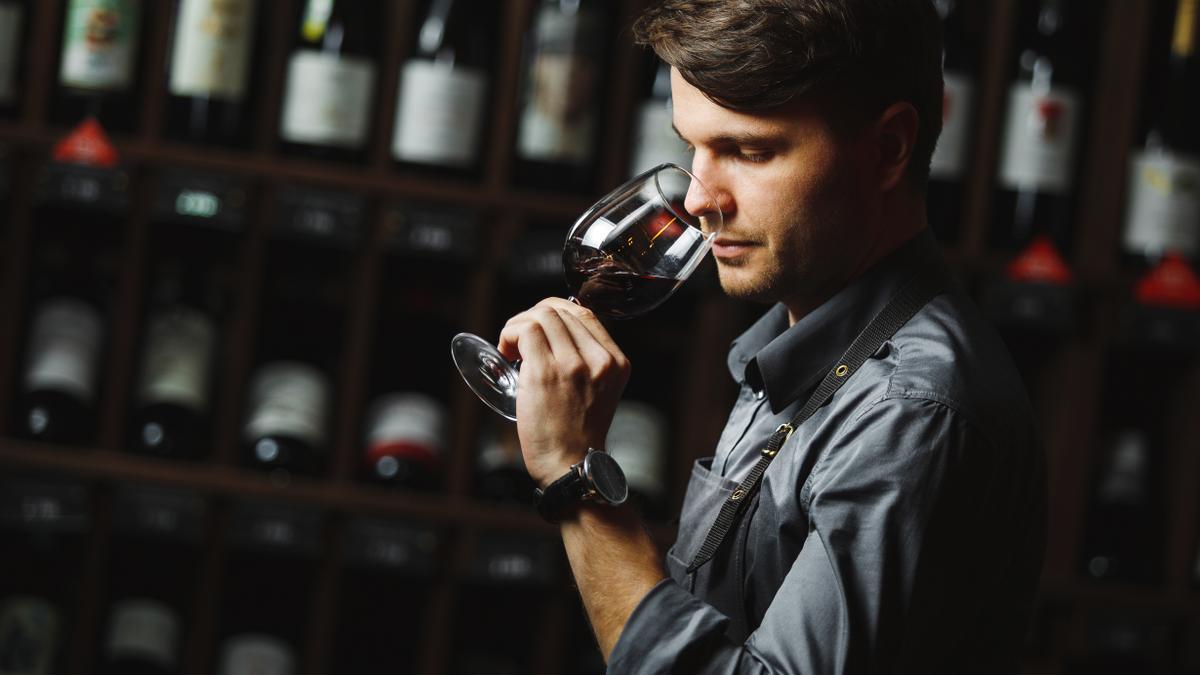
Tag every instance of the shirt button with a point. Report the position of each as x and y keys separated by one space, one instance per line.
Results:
x=760 y=394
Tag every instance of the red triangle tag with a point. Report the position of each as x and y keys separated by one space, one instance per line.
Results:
x=1173 y=283
x=1040 y=262
x=87 y=144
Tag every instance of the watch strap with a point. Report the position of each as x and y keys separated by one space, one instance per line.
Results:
x=564 y=493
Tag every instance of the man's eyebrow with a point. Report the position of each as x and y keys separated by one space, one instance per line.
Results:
x=750 y=139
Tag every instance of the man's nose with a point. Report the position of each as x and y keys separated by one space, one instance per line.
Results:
x=705 y=200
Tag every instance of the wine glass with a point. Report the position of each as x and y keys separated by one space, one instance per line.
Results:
x=623 y=257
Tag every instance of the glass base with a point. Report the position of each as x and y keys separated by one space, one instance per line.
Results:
x=487 y=373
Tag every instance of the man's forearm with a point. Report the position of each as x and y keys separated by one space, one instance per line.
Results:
x=615 y=563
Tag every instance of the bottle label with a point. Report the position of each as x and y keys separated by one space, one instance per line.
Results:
x=638 y=441
x=256 y=655
x=1125 y=480
x=950 y=155
x=439 y=117
x=328 y=99
x=1039 y=139
x=28 y=636
x=144 y=629
x=655 y=141
x=288 y=399
x=10 y=34
x=211 y=54
x=99 y=44
x=1164 y=204
x=179 y=351
x=407 y=424
x=64 y=348
x=558 y=116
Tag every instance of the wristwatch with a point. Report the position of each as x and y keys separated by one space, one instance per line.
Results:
x=598 y=478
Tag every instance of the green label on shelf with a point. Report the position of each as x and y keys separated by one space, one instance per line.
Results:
x=44 y=507
x=433 y=233
x=199 y=198
x=513 y=560
x=86 y=187
x=276 y=528
x=403 y=549
x=322 y=216
x=158 y=513
x=537 y=257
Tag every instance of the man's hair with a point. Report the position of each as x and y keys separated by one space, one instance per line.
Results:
x=851 y=58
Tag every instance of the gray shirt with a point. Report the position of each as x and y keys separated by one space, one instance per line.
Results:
x=900 y=529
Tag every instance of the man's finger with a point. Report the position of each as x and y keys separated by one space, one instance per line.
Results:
x=588 y=320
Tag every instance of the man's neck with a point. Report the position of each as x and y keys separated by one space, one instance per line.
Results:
x=905 y=219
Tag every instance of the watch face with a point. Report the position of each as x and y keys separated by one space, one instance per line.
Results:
x=607 y=477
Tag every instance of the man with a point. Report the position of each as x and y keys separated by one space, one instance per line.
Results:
x=900 y=528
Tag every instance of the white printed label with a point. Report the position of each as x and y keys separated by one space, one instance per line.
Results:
x=179 y=352
x=1164 y=204
x=328 y=99
x=288 y=399
x=212 y=49
x=256 y=655
x=99 y=43
x=558 y=116
x=1039 y=139
x=654 y=141
x=408 y=417
x=64 y=348
x=439 y=117
x=28 y=636
x=950 y=155
x=144 y=629
x=10 y=33
x=638 y=441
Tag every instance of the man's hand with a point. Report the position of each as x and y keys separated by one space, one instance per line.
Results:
x=572 y=376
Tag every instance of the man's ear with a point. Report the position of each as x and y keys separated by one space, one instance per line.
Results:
x=895 y=136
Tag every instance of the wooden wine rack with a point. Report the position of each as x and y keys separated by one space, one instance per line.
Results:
x=1065 y=390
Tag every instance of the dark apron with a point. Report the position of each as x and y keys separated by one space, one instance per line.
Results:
x=718 y=577
x=720 y=582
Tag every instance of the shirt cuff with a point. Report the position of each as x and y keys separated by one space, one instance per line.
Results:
x=667 y=628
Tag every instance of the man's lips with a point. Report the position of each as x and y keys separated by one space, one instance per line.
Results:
x=725 y=247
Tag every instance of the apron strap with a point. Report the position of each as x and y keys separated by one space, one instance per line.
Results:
x=915 y=294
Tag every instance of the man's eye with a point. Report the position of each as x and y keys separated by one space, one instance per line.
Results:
x=755 y=157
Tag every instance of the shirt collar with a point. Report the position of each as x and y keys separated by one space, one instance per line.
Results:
x=782 y=363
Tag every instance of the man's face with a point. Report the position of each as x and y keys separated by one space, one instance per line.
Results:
x=794 y=202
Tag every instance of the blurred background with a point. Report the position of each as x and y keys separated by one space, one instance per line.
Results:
x=237 y=236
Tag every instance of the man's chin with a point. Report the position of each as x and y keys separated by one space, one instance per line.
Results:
x=738 y=284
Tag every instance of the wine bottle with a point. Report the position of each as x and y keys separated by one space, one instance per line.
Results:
x=405 y=440
x=948 y=166
x=654 y=139
x=383 y=559
x=500 y=472
x=1045 y=117
x=143 y=639
x=557 y=131
x=97 y=70
x=39 y=588
x=1163 y=213
x=269 y=572
x=1120 y=536
x=637 y=439
x=172 y=402
x=58 y=399
x=287 y=417
x=209 y=74
x=443 y=88
x=252 y=654
x=12 y=39
x=329 y=94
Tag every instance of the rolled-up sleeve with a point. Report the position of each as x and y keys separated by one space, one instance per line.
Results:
x=897 y=508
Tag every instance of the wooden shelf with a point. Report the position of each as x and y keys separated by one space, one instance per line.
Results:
x=350 y=497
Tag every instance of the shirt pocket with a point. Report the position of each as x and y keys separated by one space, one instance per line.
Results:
x=706 y=491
